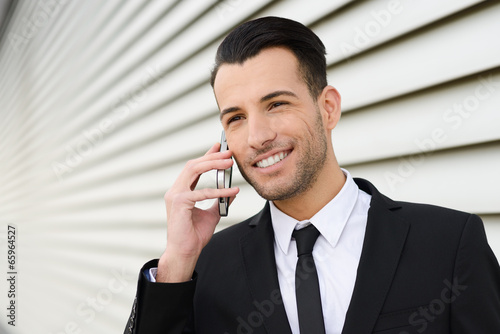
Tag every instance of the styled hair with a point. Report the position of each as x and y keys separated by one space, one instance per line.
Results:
x=250 y=38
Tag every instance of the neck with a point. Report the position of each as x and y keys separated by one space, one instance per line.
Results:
x=304 y=206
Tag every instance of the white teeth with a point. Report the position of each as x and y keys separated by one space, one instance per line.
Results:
x=271 y=160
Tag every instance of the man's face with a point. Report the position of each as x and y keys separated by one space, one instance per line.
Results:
x=273 y=126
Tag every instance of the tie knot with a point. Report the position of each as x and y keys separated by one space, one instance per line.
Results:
x=305 y=238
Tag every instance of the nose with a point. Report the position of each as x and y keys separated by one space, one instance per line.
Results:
x=260 y=131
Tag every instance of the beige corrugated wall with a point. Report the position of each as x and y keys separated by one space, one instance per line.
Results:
x=102 y=103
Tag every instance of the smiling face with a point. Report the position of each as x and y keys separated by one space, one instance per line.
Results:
x=278 y=133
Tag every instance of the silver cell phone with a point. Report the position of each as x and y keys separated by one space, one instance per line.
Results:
x=224 y=177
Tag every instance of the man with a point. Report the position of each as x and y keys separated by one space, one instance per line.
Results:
x=381 y=266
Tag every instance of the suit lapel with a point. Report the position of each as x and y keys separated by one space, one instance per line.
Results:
x=384 y=240
x=257 y=249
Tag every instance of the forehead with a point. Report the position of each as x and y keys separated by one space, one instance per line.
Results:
x=272 y=69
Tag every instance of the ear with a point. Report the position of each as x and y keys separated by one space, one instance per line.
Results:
x=330 y=102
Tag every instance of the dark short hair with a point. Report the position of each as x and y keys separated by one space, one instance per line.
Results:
x=250 y=38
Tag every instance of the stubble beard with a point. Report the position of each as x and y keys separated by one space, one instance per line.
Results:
x=310 y=163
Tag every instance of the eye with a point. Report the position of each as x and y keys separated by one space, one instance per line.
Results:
x=234 y=119
x=277 y=104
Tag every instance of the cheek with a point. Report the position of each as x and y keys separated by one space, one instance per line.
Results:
x=237 y=145
x=284 y=124
x=293 y=126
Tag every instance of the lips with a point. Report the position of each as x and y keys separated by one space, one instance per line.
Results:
x=273 y=159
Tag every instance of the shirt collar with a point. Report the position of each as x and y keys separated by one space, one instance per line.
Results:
x=330 y=220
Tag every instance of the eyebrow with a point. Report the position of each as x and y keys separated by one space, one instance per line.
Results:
x=265 y=98
x=276 y=94
x=228 y=111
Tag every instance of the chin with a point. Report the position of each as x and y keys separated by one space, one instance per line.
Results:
x=272 y=192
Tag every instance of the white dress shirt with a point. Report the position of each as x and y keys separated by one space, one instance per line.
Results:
x=342 y=224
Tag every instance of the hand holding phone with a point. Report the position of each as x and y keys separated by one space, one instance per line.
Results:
x=190 y=228
x=224 y=177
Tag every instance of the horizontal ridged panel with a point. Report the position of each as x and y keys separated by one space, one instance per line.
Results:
x=104 y=102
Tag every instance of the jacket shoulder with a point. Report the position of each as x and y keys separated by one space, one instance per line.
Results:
x=430 y=211
x=418 y=213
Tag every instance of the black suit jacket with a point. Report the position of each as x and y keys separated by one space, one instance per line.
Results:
x=423 y=269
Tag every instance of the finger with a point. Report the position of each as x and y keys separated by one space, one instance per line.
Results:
x=188 y=199
x=206 y=166
x=191 y=173
x=213 y=155
x=215 y=148
x=209 y=193
x=188 y=178
x=208 y=162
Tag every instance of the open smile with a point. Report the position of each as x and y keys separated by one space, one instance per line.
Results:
x=273 y=159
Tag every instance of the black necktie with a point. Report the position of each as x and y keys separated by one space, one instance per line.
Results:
x=306 y=283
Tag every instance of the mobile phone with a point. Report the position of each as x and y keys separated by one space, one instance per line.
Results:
x=224 y=177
